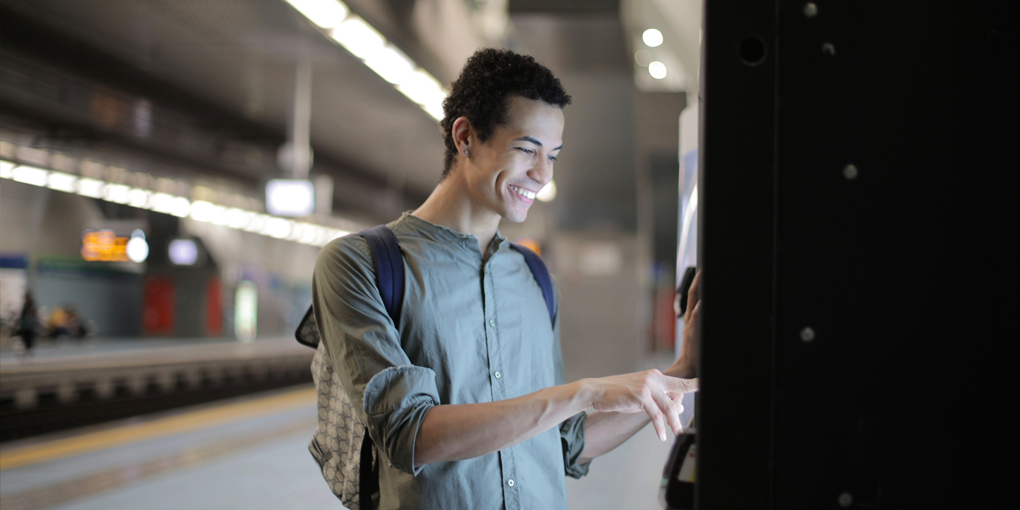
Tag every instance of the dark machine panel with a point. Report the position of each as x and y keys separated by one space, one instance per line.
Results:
x=856 y=218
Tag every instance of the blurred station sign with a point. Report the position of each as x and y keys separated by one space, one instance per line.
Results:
x=106 y=246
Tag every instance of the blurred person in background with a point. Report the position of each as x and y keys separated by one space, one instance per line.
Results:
x=464 y=395
x=28 y=324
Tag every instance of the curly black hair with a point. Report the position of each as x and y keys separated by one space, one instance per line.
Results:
x=481 y=93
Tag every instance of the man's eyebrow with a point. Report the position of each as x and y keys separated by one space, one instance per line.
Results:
x=534 y=141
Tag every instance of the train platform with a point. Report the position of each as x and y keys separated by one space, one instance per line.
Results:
x=66 y=385
x=248 y=452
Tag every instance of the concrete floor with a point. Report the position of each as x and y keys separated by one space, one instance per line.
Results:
x=256 y=459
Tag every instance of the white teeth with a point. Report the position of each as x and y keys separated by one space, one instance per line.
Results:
x=523 y=192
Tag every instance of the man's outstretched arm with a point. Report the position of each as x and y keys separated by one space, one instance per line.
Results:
x=464 y=431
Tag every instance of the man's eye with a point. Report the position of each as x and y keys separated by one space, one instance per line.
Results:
x=526 y=151
x=552 y=158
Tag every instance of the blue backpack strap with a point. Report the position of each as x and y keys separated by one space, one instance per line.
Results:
x=389 y=268
x=541 y=274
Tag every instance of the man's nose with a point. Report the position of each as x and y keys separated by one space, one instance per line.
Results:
x=542 y=172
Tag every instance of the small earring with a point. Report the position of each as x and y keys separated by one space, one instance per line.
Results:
x=465 y=153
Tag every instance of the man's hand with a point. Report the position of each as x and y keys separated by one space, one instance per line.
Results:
x=649 y=392
x=686 y=365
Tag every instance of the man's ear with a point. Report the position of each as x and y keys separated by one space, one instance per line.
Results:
x=463 y=135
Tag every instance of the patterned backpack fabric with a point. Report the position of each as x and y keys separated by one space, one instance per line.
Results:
x=340 y=444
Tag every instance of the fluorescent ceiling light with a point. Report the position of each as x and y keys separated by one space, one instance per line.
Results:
x=139 y=198
x=30 y=175
x=91 y=188
x=6 y=169
x=652 y=37
x=391 y=64
x=290 y=197
x=117 y=193
x=63 y=182
x=657 y=70
x=422 y=88
x=325 y=13
x=238 y=218
x=359 y=38
x=277 y=227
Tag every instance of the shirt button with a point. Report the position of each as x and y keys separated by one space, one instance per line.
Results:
x=510 y=483
x=492 y=322
x=497 y=374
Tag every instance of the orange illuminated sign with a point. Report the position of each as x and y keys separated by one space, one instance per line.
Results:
x=104 y=245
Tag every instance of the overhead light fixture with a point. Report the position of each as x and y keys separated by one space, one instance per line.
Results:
x=199 y=210
x=290 y=197
x=657 y=70
x=652 y=38
x=391 y=64
x=365 y=42
x=325 y=13
x=183 y=252
x=359 y=38
x=547 y=193
x=93 y=188
x=30 y=175
x=62 y=182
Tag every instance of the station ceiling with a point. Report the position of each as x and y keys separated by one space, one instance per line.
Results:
x=241 y=55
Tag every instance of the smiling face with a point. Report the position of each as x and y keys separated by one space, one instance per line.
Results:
x=507 y=170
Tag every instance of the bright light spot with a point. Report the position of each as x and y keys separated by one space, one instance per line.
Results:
x=276 y=227
x=652 y=37
x=657 y=70
x=139 y=198
x=238 y=218
x=91 y=188
x=30 y=175
x=391 y=64
x=547 y=193
x=6 y=169
x=325 y=13
x=204 y=211
x=422 y=88
x=257 y=223
x=137 y=248
x=290 y=197
x=183 y=252
x=63 y=182
x=435 y=109
x=117 y=193
x=170 y=204
x=359 y=38
x=246 y=306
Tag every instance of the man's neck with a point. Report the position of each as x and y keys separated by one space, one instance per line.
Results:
x=450 y=205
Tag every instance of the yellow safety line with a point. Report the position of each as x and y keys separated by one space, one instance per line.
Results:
x=195 y=420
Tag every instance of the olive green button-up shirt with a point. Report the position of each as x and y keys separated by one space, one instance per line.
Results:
x=472 y=329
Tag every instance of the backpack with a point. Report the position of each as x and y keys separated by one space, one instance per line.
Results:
x=341 y=445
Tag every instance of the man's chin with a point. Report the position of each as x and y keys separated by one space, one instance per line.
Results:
x=515 y=216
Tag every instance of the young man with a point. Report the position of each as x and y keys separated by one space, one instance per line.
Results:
x=464 y=398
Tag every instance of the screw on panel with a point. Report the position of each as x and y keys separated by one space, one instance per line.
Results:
x=807 y=334
x=850 y=172
x=829 y=49
x=845 y=500
x=810 y=10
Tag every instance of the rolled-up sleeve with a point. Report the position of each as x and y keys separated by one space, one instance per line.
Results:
x=390 y=394
x=571 y=430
